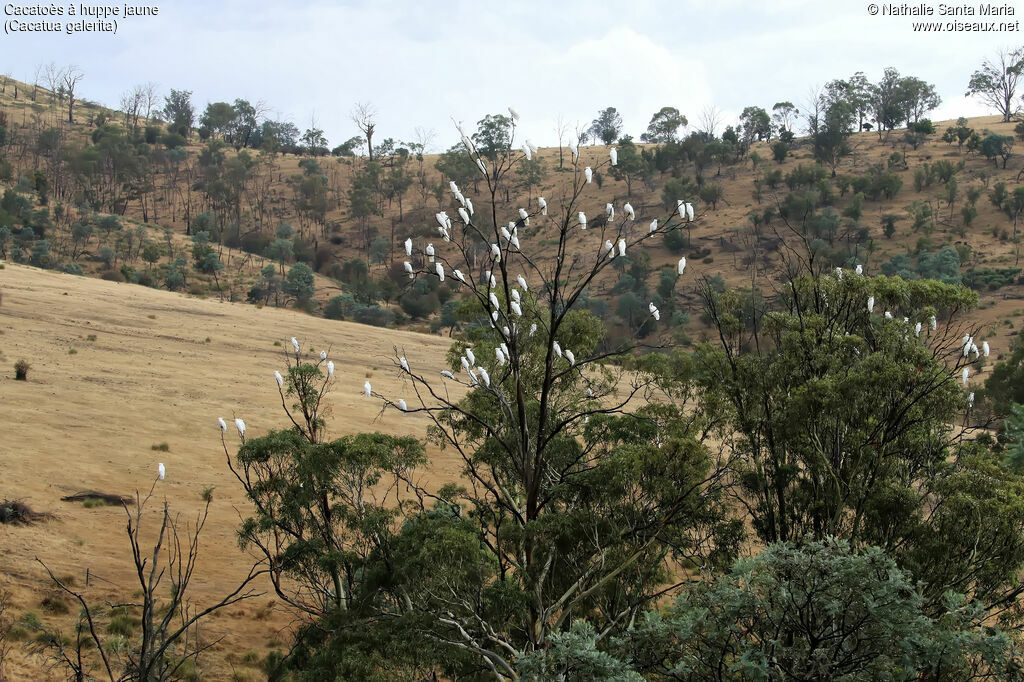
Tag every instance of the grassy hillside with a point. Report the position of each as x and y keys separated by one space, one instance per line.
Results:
x=124 y=376
x=118 y=369
x=241 y=197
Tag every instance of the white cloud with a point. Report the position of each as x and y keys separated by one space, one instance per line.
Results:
x=419 y=63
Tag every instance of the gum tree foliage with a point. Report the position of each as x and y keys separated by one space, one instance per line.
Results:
x=607 y=126
x=299 y=284
x=756 y=124
x=995 y=83
x=839 y=424
x=578 y=495
x=818 y=611
x=664 y=126
x=316 y=515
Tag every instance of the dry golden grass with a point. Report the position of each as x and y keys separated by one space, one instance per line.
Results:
x=88 y=421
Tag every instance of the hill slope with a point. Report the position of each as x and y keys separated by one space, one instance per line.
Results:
x=160 y=368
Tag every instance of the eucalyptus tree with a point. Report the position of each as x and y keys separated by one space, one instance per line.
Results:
x=588 y=481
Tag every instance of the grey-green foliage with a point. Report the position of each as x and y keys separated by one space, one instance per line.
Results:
x=299 y=283
x=574 y=656
x=943 y=265
x=818 y=611
x=1013 y=428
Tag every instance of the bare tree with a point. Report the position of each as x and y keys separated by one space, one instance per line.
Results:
x=131 y=106
x=364 y=115
x=52 y=76
x=150 y=98
x=561 y=129
x=169 y=638
x=37 y=77
x=424 y=137
x=710 y=119
x=814 y=108
x=70 y=81
x=581 y=131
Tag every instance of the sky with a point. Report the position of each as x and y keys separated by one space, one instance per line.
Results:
x=420 y=64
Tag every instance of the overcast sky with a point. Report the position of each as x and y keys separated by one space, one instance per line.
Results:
x=420 y=63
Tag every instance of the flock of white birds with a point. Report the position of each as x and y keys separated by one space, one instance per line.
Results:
x=478 y=376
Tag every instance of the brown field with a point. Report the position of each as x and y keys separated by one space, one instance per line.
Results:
x=87 y=421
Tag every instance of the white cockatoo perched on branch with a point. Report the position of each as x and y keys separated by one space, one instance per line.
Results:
x=582 y=217
x=408 y=269
x=524 y=216
x=681 y=207
x=484 y=375
x=323 y=355
x=689 y=212
x=161 y=471
x=223 y=424
x=240 y=425
x=458 y=275
x=522 y=282
x=628 y=210
x=430 y=252
x=470 y=356
x=330 y=368
x=496 y=252
x=557 y=348
x=588 y=173
x=574 y=148
x=622 y=247
x=609 y=210
x=280 y=379
x=570 y=357
x=985 y=349
x=514 y=114
x=516 y=308
x=542 y=202
x=404 y=363
x=408 y=247
x=367 y=389
x=402 y=406
x=480 y=164
x=295 y=344
x=613 y=155
x=464 y=214
x=681 y=265
x=527 y=151
x=440 y=271
x=654 y=225
x=469 y=205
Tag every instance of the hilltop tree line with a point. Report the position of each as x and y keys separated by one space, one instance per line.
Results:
x=219 y=172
